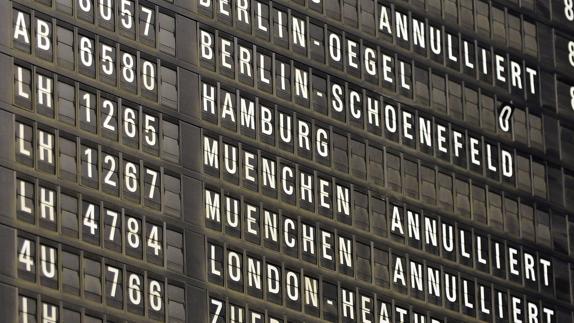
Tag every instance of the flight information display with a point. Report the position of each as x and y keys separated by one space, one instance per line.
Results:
x=287 y=161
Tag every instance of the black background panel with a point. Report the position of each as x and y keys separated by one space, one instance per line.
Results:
x=286 y=161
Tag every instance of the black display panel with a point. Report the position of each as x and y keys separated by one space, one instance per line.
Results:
x=286 y=161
